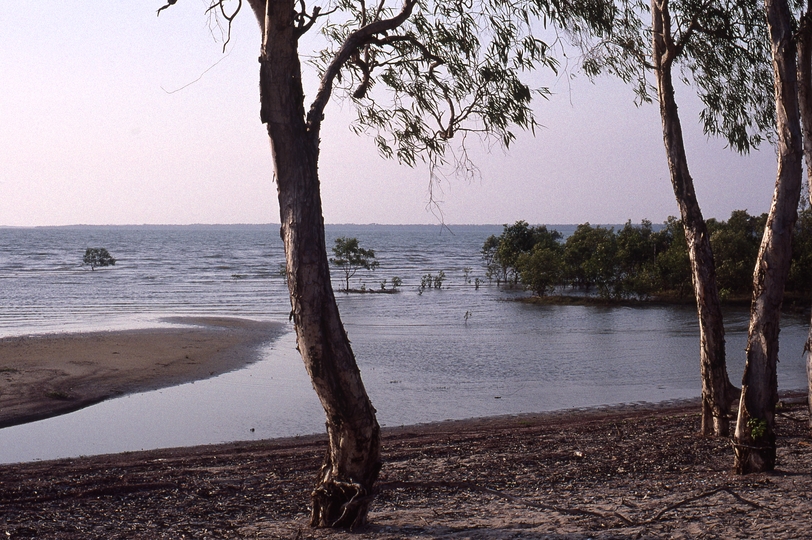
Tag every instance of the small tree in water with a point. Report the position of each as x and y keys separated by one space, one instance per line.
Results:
x=97 y=257
x=351 y=257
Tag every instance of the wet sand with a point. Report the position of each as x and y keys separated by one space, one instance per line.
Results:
x=52 y=374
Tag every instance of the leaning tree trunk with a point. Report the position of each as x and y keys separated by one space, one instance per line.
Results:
x=805 y=108
x=343 y=490
x=754 y=443
x=718 y=394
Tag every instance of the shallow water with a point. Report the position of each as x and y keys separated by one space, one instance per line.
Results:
x=421 y=359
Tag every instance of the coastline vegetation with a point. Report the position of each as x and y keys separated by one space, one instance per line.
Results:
x=637 y=263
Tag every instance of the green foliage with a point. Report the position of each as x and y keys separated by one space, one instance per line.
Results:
x=590 y=258
x=541 y=269
x=637 y=262
x=97 y=257
x=735 y=246
x=429 y=281
x=350 y=257
x=722 y=51
x=800 y=272
x=758 y=428
x=450 y=67
x=502 y=253
x=673 y=262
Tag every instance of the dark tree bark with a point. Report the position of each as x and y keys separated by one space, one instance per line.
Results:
x=718 y=394
x=344 y=486
x=755 y=429
x=805 y=108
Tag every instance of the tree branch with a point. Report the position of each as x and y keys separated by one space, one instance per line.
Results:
x=350 y=47
x=303 y=25
x=168 y=3
x=226 y=16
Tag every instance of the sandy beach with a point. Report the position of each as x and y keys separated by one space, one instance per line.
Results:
x=47 y=375
x=625 y=472
x=637 y=471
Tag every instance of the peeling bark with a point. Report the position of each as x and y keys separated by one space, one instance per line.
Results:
x=754 y=443
x=718 y=394
x=343 y=490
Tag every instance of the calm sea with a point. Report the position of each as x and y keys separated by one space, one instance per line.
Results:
x=456 y=352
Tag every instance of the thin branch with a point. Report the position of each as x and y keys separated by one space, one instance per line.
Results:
x=226 y=16
x=200 y=77
x=303 y=26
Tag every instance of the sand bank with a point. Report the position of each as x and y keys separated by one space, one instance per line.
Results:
x=48 y=375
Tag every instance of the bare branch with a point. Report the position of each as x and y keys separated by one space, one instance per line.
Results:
x=302 y=25
x=226 y=16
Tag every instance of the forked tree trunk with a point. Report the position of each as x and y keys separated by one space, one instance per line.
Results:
x=344 y=486
x=805 y=107
x=754 y=443
x=717 y=393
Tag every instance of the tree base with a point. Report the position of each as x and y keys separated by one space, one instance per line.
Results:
x=753 y=459
x=340 y=505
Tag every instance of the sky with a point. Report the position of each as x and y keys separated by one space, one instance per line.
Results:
x=111 y=115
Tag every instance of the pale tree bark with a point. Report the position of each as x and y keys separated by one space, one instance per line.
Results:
x=754 y=442
x=718 y=394
x=805 y=108
x=344 y=485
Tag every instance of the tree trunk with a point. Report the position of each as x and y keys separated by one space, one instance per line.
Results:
x=718 y=394
x=343 y=490
x=755 y=429
x=805 y=108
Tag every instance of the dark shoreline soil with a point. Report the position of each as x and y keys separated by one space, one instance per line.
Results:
x=624 y=472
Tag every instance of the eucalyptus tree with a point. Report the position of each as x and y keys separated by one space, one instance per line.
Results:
x=804 y=45
x=721 y=49
x=754 y=442
x=419 y=72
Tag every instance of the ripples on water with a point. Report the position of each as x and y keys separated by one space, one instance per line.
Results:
x=419 y=356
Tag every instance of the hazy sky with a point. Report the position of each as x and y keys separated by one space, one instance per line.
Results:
x=91 y=134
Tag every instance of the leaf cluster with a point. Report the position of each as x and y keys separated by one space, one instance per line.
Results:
x=721 y=48
x=503 y=253
x=451 y=67
x=350 y=257
x=97 y=257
